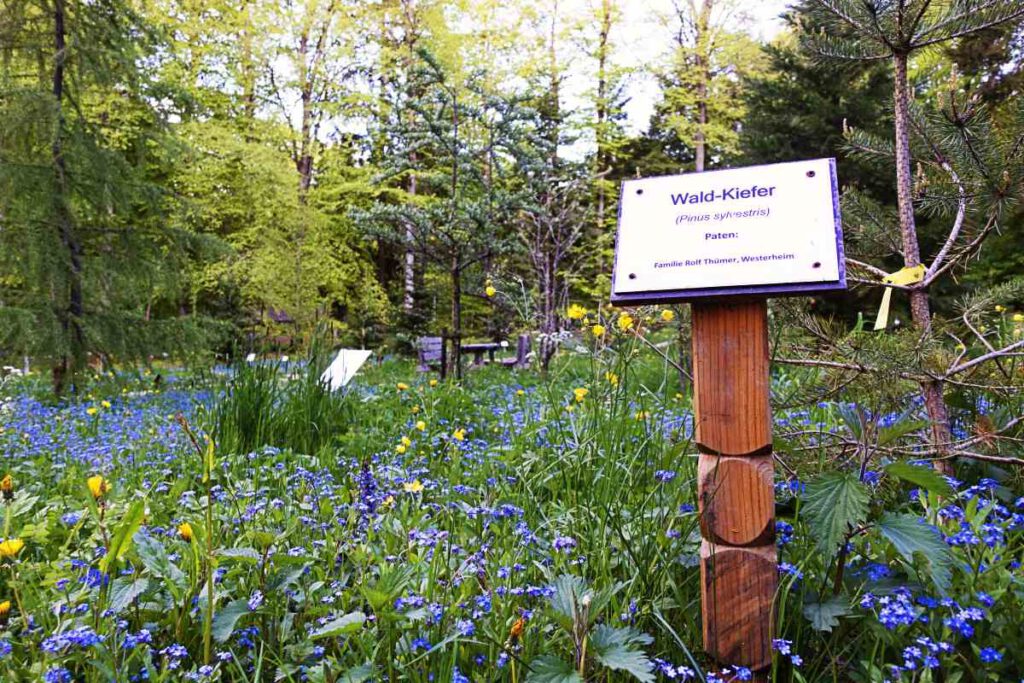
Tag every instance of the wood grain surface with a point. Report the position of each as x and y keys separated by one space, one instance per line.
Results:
x=737 y=499
x=738 y=588
x=730 y=377
x=735 y=477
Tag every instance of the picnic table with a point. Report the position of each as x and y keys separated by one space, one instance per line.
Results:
x=478 y=350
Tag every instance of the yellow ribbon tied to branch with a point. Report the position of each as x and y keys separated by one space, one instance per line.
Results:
x=904 y=277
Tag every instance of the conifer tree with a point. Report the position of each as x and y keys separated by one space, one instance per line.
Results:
x=967 y=168
x=456 y=137
x=88 y=259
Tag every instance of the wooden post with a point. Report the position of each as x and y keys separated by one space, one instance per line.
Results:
x=733 y=424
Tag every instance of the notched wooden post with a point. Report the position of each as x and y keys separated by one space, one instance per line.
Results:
x=735 y=480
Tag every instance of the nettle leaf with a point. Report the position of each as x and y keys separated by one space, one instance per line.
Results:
x=911 y=535
x=549 y=669
x=154 y=557
x=124 y=591
x=350 y=623
x=824 y=615
x=615 y=649
x=834 y=502
x=570 y=593
x=923 y=476
x=225 y=620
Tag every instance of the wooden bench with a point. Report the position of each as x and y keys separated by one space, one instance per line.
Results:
x=521 y=359
x=430 y=351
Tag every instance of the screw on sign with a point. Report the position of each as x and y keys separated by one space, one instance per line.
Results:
x=726 y=241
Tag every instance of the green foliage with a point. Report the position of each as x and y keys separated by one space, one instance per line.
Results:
x=923 y=476
x=910 y=536
x=824 y=615
x=835 y=504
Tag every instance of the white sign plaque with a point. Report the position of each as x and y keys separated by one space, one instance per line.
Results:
x=761 y=230
x=343 y=368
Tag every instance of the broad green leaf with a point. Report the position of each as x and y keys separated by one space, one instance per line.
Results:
x=614 y=648
x=224 y=620
x=154 y=558
x=925 y=477
x=570 y=594
x=834 y=502
x=549 y=669
x=357 y=674
x=125 y=590
x=853 y=417
x=350 y=623
x=122 y=539
x=899 y=429
x=911 y=535
x=247 y=555
x=824 y=616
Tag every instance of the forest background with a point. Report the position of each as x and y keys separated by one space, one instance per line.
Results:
x=180 y=176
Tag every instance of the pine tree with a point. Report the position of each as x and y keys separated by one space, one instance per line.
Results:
x=967 y=167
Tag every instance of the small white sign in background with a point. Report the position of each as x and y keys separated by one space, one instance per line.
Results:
x=343 y=368
x=762 y=229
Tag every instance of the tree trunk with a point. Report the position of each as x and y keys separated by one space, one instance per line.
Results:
x=70 y=316
x=920 y=308
x=601 y=156
x=409 y=296
x=456 y=275
x=549 y=312
x=703 y=69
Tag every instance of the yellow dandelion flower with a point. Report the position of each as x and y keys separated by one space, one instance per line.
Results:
x=7 y=487
x=433 y=382
x=185 y=531
x=668 y=315
x=91 y=410
x=401 y=386
x=98 y=486
x=1000 y=309
x=612 y=378
x=490 y=291
x=406 y=441
x=11 y=547
x=412 y=486
x=576 y=312
x=389 y=501
x=415 y=409
x=459 y=434
x=421 y=425
x=569 y=408
x=580 y=393
x=520 y=392
x=625 y=322
x=105 y=404
x=400 y=448
x=597 y=330
x=1018 y=317
x=5 y=609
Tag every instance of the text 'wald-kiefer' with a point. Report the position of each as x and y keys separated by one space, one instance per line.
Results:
x=726 y=193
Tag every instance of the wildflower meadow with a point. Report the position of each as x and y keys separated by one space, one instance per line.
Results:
x=246 y=525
